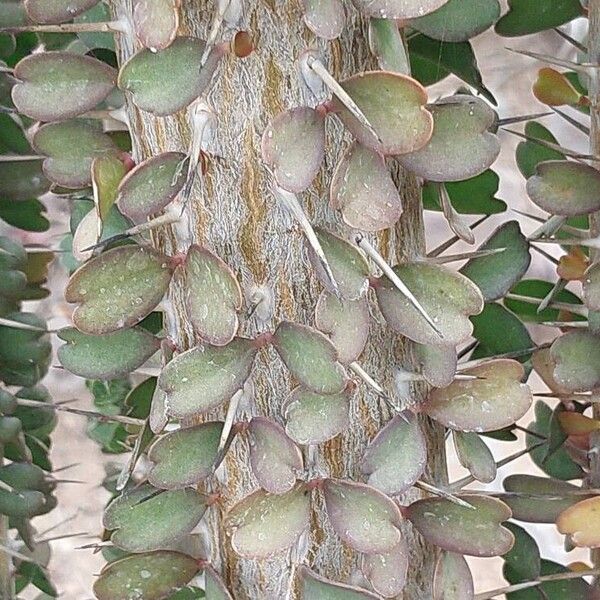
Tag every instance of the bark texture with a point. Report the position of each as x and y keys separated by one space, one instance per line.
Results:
x=234 y=214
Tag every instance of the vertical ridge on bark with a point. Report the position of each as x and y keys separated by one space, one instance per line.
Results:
x=233 y=213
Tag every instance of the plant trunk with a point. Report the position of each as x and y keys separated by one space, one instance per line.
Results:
x=234 y=213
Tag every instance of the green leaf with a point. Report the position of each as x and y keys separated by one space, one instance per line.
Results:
x=576 y=356
x=536 y=288
x=27 y=214
x=105 y=356
x=206 y=376
x=22 y=180
x=54 y=86
x=184 y=457
x=144 y=519
x=458 y=20
x=452 y=527
x=151 y=576
x=522 y=562
x=475 y=196
x=398 y=9
x=529 y=153
x=432 y=60
x=496 y=274
x=56 y=11
x=315 y=587
x=12 y=136
x=452 y=579
x=486 y=327
x=118 y=288
x=475 y=456
x=525 y=17
x=93 y=39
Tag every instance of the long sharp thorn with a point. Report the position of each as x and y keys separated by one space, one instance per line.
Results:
x=588 y=242
x=105 y=27
x=166 y=219
x=290 y=202
x=552 y=60
x=548 y=227
x=552 y=146
x=141 y=442
x=450 y=242
x=469 y=364
x=440 y=260
x=456 y=221
x=583 y=128
x=232 y=410
x=560 y=285
x=6 y=487
x=566 y=324
x=521 y=118
x=22 y=557
x=215 y=26
x=18 y=325
x=364 y=376
x=319 y=68
x=398 y=283
x=20 y=157
x=539 y=219
x=565 y=36
x=432 y=489
x=577 y=309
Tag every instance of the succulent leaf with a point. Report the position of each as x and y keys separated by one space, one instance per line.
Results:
x=398 y=9
x=437 y=363
x=315 y=587
x=452 y=579
x=387 y=572
x=325 y=18
x=155 y=22
x=474 y=455
x=214 y=587
x=576 y=358
x=56 y=11
x=581 y=522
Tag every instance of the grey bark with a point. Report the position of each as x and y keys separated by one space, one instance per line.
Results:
x=234 y=213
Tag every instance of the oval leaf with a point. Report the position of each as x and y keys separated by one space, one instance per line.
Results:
x=474 y=455
x=387 y=572
x=184 y=457
x=461 y=146
x=496 y=400
x=325 y=18
x=394 y=104
x=214 y=296
x=106 y=356
x=398 y=9
x=448 y=297
x=346 y=322
x=363 y=189
x=452 y=579
x=397 y=455
x=144 y=520
x=452 y=527
x=564 y=187
x=54 y=86
x=71 y=146
x=51 y=12
x=437 y=363
x=151 y=185
x=155 y=22
x=166 y=81
x=206 y=376
x=263 y=524
x=315 y=418
x=151 y=576
x=117 y=289
x=214 y=586
x=576 y=358
x=582 y=523
x=310 y=357
x=591 y=287
x=274 y=458
x=293 y=145
x=315 y=587
x=362 y=516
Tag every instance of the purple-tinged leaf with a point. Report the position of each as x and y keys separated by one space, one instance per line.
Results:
x=214 y=587
x=107 y=356
x=474 y=531
x=448 y=297
x=394 y=104
x=363 y=189
x=397 y=455
x=315 y=587
x=214 y=297
x=184 y=457
x=348 y=265
x=54 y=86
x=206 y=376
x=315 y=418
x=495 y=400
x=152 y=576
x=310 y=357
x=71 y=146
x=155 y=22
x=144 y=520
x=576 y=358
x=151 y=185
x=398 y=9
x=274 y=458
x=564 y=187
x=51 y=12
x=362 y=516
x=264 y=524
x=535 y=499
x=544 y=366
x=107 y=173
x=387 y=572
x=167 y=81
x=452 y=579
x=118 y=289
x=325 y=18
x=475 y=456
x=346 y=322
x=437 y=363
x=461 y=146
x=293 y=145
